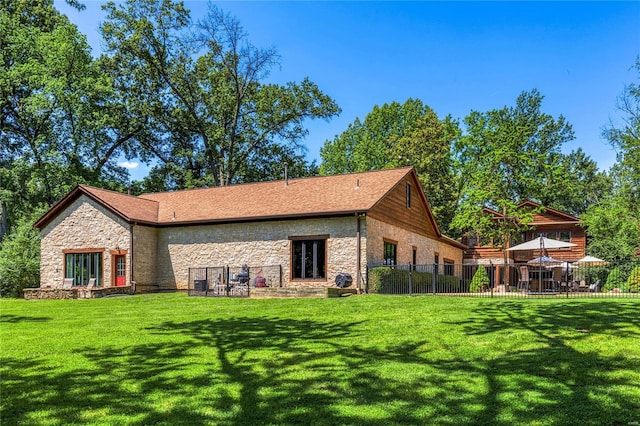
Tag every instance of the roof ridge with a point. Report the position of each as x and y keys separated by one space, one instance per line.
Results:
x=111 y=191
x=244 y=184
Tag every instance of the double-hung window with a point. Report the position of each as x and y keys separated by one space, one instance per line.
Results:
x=309 y=258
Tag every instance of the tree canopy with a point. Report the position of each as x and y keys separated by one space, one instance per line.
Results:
x=201 y=87
x=396 y=135
x=52 y=98
x=613 y=221
x=188 y=97
x=507 y=155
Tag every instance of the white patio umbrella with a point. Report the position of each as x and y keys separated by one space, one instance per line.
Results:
x=591 y=260
x=544 y=260
x=541 y=244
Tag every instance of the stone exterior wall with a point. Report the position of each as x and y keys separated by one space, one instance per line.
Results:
x=426 y=248
x=145 y=255
x=255 y=244
x=162 y=256
x=83 y=224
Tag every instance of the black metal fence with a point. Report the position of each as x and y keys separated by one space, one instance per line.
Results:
x=516 y=280
x=227 y=281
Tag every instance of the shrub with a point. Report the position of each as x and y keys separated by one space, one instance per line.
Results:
x=480 y=279
x=385 y=280
x=615 y=279
x=633 y=282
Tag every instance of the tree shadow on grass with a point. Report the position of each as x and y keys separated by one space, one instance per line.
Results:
x=198 y=372
x=14 y=319
x=555 y=380
x=244 y=370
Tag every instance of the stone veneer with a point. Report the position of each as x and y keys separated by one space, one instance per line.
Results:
x=75 y=293
x=255 y=244
x=145 y=255
x=84 y=224
x=378 y=231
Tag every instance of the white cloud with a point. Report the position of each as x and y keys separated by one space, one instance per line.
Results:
x=128 y=164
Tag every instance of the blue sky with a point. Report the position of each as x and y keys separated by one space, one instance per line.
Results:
x=454 y=56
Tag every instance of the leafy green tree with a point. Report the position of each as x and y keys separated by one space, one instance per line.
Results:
x=626 y=138
x=371 y=145
x=505 y=157
x=202 y=87
x=428 y=148
x=20 y=258
x=56 y=103
x=633 y=282
x=613 y=230
x=396 y=135
x=575 y=185
x=613 y=223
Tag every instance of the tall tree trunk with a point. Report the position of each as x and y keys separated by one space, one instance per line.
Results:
x=3 y=220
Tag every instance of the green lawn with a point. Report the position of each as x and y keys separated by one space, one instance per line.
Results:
x=372 y=360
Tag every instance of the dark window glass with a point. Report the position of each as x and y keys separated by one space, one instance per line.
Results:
x=309 y=257
x=83 y=266
x=389 y=253
x=408 y=195
x=448 y=268
x=564 y=236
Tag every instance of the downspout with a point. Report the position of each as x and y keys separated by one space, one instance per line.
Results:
x=358 y=255
x=133 y=282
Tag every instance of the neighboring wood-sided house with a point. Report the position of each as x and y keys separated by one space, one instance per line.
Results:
x=549 y=222
x=314 y=228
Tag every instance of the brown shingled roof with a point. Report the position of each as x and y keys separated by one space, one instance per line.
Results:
x=315 y=196
x=305 y=197
x=128 y=207
x=133 y=209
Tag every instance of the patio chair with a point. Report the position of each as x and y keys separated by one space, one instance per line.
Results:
x=523 y=277
x=67 y=283
x=91 y=283
x=595 y=287
x=557 y=278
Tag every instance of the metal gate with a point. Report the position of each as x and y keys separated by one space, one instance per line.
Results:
x=224 y=281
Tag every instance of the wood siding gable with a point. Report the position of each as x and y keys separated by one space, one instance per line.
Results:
x=418 y=218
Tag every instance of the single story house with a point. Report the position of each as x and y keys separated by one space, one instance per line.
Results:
x=314 y=228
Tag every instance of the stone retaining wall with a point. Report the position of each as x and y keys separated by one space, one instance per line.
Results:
x=73 y=293
x=286 y=292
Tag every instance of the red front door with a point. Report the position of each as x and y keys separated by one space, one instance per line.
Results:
x=120 y=271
